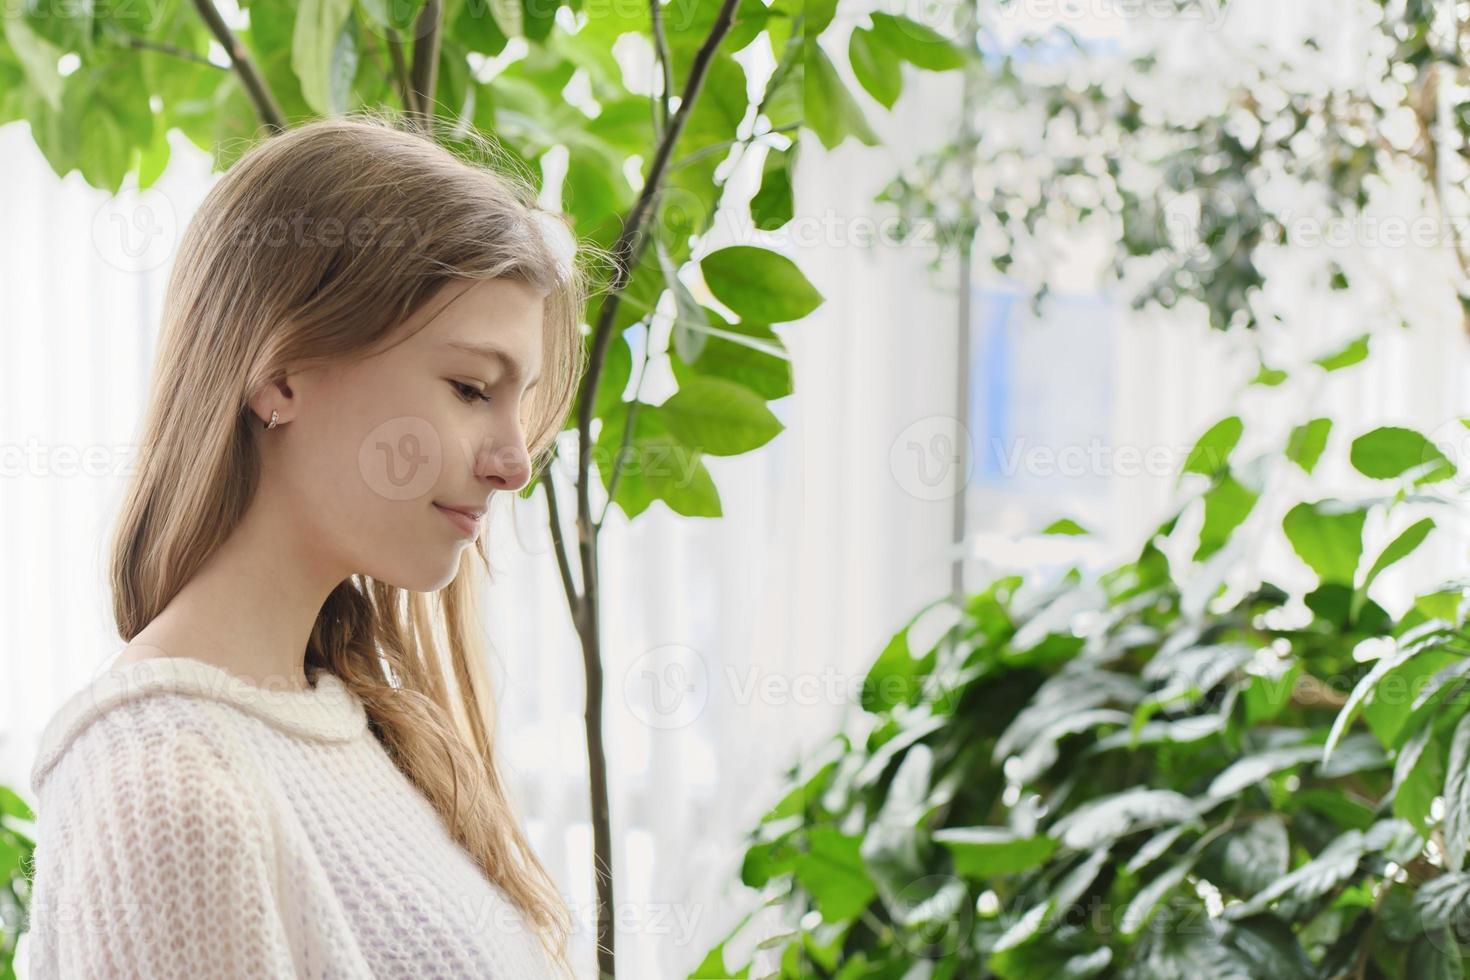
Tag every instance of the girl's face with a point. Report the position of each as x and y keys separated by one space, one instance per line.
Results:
x=378 y=451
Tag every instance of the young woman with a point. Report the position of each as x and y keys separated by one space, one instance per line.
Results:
x=290 y=770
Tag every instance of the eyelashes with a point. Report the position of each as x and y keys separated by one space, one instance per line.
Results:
x=468 y=393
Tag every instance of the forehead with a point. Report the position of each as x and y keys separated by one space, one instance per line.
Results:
x=497 y=319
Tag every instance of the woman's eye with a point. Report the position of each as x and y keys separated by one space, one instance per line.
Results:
x=469 y=393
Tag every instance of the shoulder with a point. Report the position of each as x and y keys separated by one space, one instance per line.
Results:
x=159 y=760
x=157 y=842
x=137 y=720
x=174 y=711
x=148 y=785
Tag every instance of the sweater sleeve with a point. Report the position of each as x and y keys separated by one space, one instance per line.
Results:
x=155 y=856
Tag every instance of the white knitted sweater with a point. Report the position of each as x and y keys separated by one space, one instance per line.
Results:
x=192 y=824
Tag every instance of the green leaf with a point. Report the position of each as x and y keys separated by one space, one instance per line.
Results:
x=1359 y=695
x=1359 y=752
x=749 y=354
x=655 y=465
x=875 y=65
x=153 y=159
x=831 y=111
x=1305 y=445
x=37 y=57
x=713 y=967
x=475 y=26
x=1141 y=909
x=1353 y=352
x=1444 y=902
x=1252 y=856
x=509 y=17
x=1065 y=526
x=1255 y=768
x=1396 y=550
x=1211 y=453
x=1101 y=820
x=785 y=95
x=1298 y=889
x=1051 y=956
x=1435 y=956
x=719 y=417
x=1186 y=953
x=1457 y=797
x=596 y=194
x=11 y=805
x=538 y=18
x=691 y=325
x=105 y=152
x=1441 y=604
x=314 y=45
x=896 y=675
x=819 y=14
x=1391 y=451
x=985 y=852
x=1268 y=694
x=1270 y=948
x=344 y=69
x=916 y=43
x=1227 y=505
x=1328 y=536
x=1269 y=377
x=759 y=284
x=668 y=472
x=1418 y=777
x=1434 y=678
x=773 y=204
x=832 y=871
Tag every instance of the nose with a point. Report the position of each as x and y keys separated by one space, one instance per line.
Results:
x=505 y=465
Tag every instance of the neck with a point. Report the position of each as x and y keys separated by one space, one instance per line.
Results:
x=251 y=607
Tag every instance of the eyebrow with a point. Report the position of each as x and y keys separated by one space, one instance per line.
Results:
x=511 y=366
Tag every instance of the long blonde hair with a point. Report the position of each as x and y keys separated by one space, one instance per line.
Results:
x=242 y=309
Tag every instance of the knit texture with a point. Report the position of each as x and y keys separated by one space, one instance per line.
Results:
x=192 y=824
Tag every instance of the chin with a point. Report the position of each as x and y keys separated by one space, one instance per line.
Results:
x=435 y=581
x=423 y=577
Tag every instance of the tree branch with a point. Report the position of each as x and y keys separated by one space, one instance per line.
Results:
x=574 y=598
x=665 y=63
x=400 y=71
x=629 y=244
x=426 y=33
x=626 y=251
x=145 y=44
x=255 y=86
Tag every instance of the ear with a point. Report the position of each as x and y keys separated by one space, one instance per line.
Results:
x=278 y=397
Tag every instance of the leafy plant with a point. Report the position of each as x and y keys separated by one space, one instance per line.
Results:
x=1168 y=768
x=101 y=84
x=16 y=848
x=1199 y=168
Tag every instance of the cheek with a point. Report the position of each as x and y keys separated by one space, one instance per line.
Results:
x=364 y=463
x=373 y=448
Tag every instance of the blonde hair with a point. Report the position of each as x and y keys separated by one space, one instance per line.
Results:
x=247 y=302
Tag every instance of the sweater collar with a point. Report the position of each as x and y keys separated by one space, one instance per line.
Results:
x=329 y=711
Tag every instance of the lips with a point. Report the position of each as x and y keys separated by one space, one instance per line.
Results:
x=473 y=513
x=466 y=520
